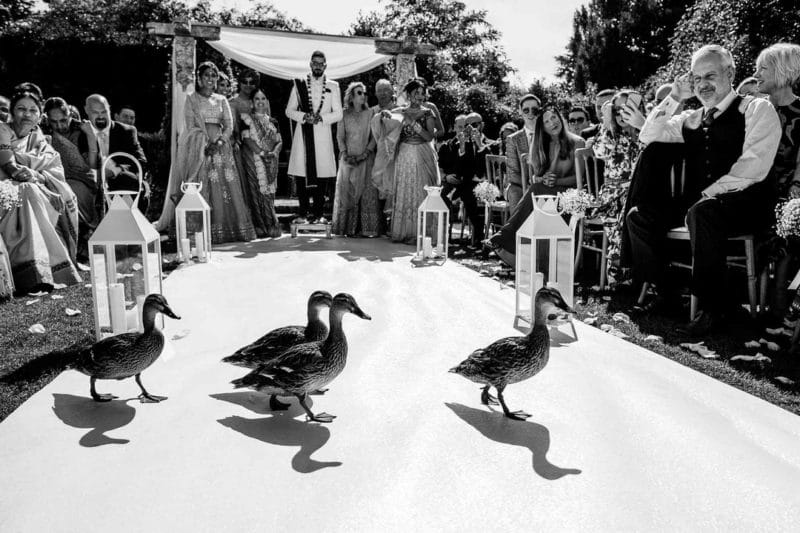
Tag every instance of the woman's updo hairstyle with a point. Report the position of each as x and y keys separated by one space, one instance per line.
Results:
x=413 y=85
x=27 y=90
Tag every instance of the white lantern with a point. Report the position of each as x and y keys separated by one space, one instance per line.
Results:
x=193 y=223
x=433 y=221
x=545 y=256
x=125 y=261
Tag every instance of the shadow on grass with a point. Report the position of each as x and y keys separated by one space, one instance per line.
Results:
x=534 y=437
x=100 y=418
x=49 y=363
x=280 y=429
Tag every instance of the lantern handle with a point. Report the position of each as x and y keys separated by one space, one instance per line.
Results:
x=188 y=184
x=106 y=192
x=546 y=197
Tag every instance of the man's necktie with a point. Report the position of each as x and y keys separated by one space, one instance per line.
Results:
x=102 y=141
x=708 y=116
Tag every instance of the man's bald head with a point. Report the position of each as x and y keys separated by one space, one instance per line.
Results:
x=98 y=111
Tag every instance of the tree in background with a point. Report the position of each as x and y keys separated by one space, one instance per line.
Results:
x=14 y=10
x=745 y=27
x=619 y=43
x=469 y=57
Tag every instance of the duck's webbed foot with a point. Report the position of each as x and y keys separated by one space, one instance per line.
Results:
x=322 y=417
x=513 y=415
x=99 y=397
x=276 y=405
x=486 y=398
x=146 y=397
x=318 y=392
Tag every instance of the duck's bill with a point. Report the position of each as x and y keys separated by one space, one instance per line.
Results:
x=361 y=314
x=170 y=313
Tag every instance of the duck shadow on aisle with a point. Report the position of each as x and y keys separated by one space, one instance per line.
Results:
x=351 y=249
x=84 y=413
x=279 y=429
x=535 y=437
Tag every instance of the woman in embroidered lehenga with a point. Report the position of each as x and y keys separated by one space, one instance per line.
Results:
x=40 y=232
x=355 y=204
x=205 y=156
x=261 y=148
x=415 y=164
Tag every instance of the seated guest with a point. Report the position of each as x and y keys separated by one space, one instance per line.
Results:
x=106 y=136
x=74 y=113
x=506 y=131
x=552 y=157
x=777 y=71
x=126 y=115
x=5 y=108
x=40 y=234
x=519 y=144
x=602 y=97
x=730 y=146
x=463 y=167
x=80 y=176
x=617 y=145
x=577 y=120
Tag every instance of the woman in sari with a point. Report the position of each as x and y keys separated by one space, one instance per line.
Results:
x=40 y=229
x=261 y=148
x=205 y=156
x=415 y=162
x=355 y=204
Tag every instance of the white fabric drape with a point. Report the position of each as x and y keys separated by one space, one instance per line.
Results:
x=286 y=55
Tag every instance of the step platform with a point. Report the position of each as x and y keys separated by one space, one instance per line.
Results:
x=295 y=228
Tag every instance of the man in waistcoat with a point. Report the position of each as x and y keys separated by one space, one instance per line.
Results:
x=314 y=105
x=730 y=144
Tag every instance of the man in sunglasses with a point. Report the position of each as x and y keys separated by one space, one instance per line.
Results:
x=577 y=120
x=314 y=105
x=602 y=97
x=518 y=145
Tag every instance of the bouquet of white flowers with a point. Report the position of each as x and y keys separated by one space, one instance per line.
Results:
x=9 y=195
x=486 y=192
x=575 y=201
x=787 y=216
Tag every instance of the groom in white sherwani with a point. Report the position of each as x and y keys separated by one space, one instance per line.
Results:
x=315 y=105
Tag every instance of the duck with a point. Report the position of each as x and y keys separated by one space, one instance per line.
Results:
x=126 y=355
x=274 y=343
x=306 y=367
x=514 y=359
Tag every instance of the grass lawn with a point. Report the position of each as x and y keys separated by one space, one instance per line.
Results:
x=20 y=377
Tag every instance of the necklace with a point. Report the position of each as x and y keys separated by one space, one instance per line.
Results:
x=308 y=89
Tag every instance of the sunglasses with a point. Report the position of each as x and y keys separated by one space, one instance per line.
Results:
x=579 y=120
x=247 y=82
x=532 y=110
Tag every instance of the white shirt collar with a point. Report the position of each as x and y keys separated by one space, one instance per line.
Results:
x=725 y=103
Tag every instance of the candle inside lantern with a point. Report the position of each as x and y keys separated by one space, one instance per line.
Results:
x=538 y=282
x=200 y=244
x=186 y=250
x=427 y=248
x=116 y=303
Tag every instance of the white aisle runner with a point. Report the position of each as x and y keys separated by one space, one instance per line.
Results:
x=620 y=438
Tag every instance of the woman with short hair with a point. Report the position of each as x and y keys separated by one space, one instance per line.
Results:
x=40 y=233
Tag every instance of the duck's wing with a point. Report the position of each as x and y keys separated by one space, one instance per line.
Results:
x=276 y=340
x=296 y=358
x=486 y=361
x=106 y=351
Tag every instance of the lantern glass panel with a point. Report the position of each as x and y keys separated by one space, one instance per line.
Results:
x=194 y=223
x=99 y=266
x=524 y=281
x=434 y=224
